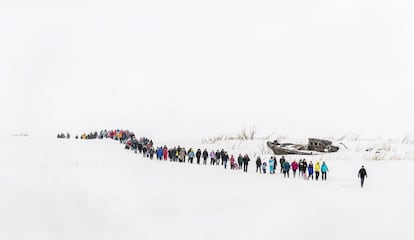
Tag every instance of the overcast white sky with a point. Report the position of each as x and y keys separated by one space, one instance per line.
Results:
x=198 y=68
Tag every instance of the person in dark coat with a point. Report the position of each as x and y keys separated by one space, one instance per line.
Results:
x=300 y=167
x=258 y=165
x=305 y=167
x=274 y=164
x=205 y=156
x=151 y=152
x=240 y=161
x=225 y=158
x=286 y=169
x=282 y=161
x=134 y=145
x=198 y=155
x=222 y=153
x=362 y=174
x=144 y=151
x=246 y=161
x=171 y=153
x=140 y=147
x=218 y=156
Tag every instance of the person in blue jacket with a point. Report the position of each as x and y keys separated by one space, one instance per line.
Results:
x=271 y=165
x=191 y=155
x=159 y=153
x=286 y=168
x=324 y=170
x=310 y=170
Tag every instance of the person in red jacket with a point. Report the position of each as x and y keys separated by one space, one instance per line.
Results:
x=165 y=153
x=232 y=160
x=294 y=166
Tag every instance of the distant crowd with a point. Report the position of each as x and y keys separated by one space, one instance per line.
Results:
x=145 y=146
x=62 y=135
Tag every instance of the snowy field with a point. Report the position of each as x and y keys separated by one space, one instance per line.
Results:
x=338 y=70
x=73 y=189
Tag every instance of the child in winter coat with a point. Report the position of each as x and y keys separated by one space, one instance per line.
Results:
x=264 y=166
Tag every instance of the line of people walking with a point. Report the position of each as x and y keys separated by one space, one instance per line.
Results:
x=145 y=146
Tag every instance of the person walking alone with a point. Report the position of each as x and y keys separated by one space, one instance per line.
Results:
x=362 y=174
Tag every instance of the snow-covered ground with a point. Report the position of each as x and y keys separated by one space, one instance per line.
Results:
x=73 y=189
